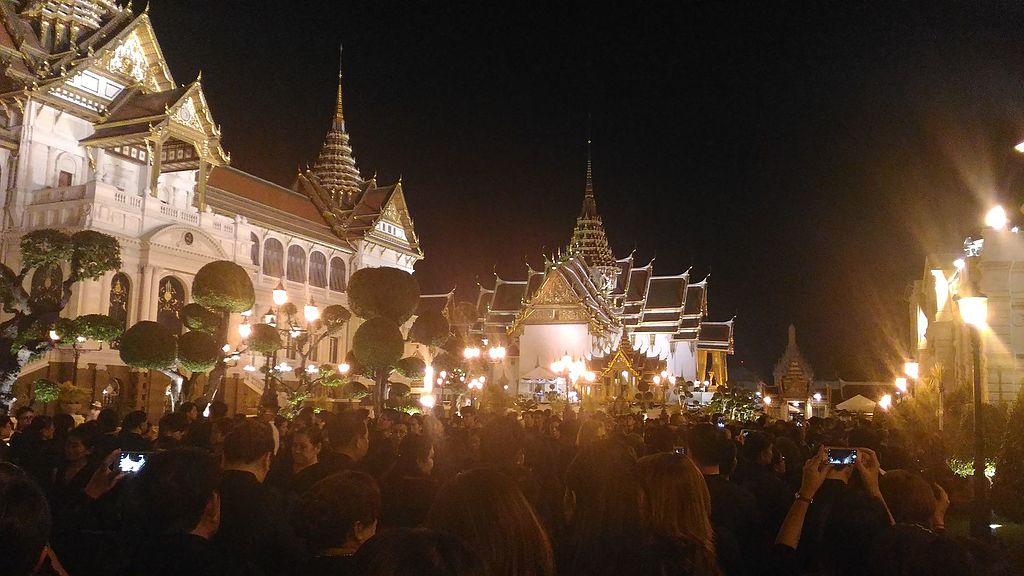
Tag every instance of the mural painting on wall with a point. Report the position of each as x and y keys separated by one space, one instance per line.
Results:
x=120 y=291
x=47 y=285
x=170 y=302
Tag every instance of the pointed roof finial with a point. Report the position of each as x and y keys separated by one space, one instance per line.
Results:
x=339 y=114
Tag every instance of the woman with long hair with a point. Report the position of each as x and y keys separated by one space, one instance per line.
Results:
x=679 y=508
x=487 y=510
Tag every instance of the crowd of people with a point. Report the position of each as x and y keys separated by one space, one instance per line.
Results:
x=471 y=493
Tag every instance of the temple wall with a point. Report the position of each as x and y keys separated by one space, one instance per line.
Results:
x=540 y=345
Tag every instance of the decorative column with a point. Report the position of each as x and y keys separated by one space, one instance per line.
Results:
x=201 y=177
x=145 y=294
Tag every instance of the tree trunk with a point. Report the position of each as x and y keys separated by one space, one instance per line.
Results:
x=177 y=382
x=381 y=394
x=215 y=380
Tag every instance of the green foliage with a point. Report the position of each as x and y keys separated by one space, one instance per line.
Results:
x=1008 y=484
x=383 y=292
x=355 y=368
x=45 y=391
x=445 y=361
x=355 y=390
x=334 y=318
x=377 y=344
x=223 y=286
x=98 y=327
x=734 y=403
x=149 y=345
x=993 y=423
x=71 y=394
x=430 y=330
x=93 y=254
x=411 y=367
x=287 y=310
x=265 y=339
x=199 y=318
x=197 y=351
x=47 y=246
x=398 y=389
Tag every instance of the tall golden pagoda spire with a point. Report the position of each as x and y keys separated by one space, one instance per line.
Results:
x=335 y=168
x=588 y=237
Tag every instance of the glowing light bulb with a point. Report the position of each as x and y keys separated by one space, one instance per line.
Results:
x=245 y=329
x=280 y=295
x=343 y=368
x=996 y=218
x=427 y=401
x=885 y=402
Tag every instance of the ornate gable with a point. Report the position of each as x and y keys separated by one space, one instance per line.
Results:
x=135 y=56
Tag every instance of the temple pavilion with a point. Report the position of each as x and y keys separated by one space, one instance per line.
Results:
x=628 y=327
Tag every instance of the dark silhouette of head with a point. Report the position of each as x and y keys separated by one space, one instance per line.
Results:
x=487 y=510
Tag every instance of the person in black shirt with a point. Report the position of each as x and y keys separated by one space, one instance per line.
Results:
x=347 y=443
x=335 y=517
x=254 y=527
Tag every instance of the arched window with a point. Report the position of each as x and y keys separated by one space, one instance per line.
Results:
x=47 y=285
x=337 y=274
x=170 y=301
x=296 y=263
x=273 y=258
x=255 y=250
x=120 y=294
x=318 y=269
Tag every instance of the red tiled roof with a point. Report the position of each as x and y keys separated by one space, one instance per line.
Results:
x=263 y=192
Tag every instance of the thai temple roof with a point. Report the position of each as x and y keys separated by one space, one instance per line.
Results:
x=335 y=169
x=621 y=298
x=588 y=238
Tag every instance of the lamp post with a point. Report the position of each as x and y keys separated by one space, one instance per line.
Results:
x=974 y=312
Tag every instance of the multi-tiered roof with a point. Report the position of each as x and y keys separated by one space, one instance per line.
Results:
x=335 y=169
x=633 y=302
x=589 y=240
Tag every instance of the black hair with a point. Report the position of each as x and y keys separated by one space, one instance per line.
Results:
x=705 y=443
x=170 y=493
x=345 y=429
x=107 y=420
x=326 y=513
x=132 y=420
x=173 y=422
x=248 y=442
x=25 y=522
x=218 y=409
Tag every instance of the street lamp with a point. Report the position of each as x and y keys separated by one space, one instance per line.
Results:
x=996 y=218
x=280 y=294
x=974 y=312
x=901 y=385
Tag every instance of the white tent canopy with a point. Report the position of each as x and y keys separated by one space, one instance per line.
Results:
x=857 y=404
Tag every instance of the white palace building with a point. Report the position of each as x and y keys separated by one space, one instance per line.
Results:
x=96 y=133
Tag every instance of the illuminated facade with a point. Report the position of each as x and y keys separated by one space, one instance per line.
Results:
x=95 y=133
x=588 y=305
x=941 y=339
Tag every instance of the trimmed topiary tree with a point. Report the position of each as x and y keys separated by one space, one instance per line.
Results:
x=183 y=359
x=386 y=298
x=221 y=288
x=25 y=334
x=1008 y=483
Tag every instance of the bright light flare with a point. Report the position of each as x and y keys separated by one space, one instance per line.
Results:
x=912 y=370
x=54 y=336
x=885 y=402
x=901 y=385
x=245 y=329
x=817 y=396
x=974 y=310
x=311 y=312
x=343 y=368
x=996 y=218
x=427 y=401
x=767 y=400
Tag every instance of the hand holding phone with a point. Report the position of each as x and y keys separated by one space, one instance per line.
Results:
x=132 y=462
x=836 y=456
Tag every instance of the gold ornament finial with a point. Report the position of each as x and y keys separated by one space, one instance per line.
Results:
x=339 y=114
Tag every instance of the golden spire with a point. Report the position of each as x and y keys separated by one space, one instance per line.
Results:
x=335 y=169
x=339 y=113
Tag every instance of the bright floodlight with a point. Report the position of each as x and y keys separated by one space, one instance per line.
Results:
x=280 y=294
x=901 y=384
x=885 y=402
x=996 y=218
x=245 y=329
x=767 y=400
x=912 y=370
x=974 y=310
x=427 y=401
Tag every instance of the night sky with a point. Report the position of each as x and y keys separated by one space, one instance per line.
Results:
x=808 y=156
